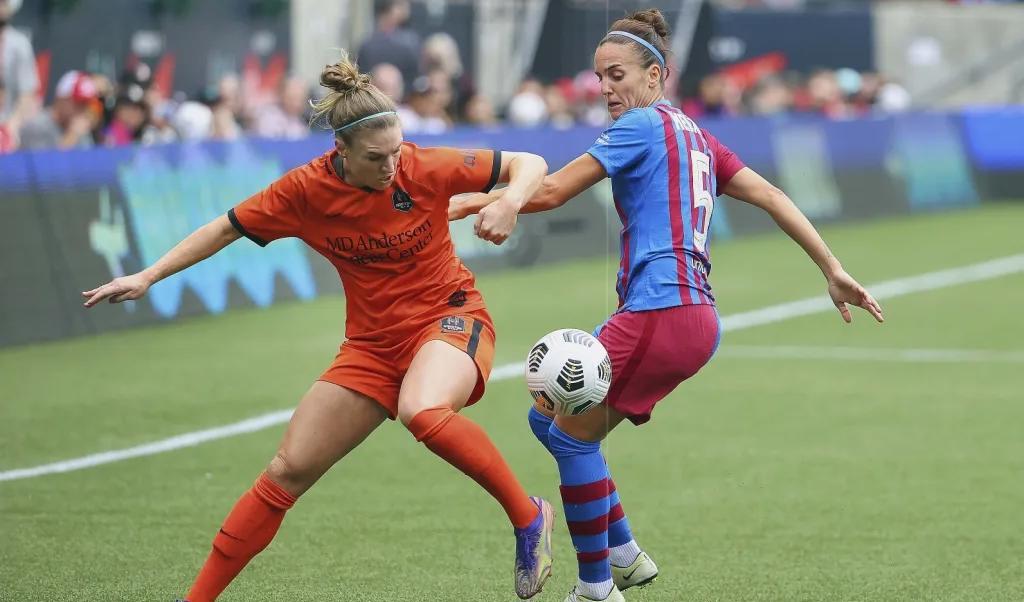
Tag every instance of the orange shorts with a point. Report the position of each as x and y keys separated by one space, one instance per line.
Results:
x=377 y=371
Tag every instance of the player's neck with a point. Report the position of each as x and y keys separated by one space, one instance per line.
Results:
x=339 y=170
x=659 y=97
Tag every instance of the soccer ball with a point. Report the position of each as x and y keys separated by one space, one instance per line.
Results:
x=568 y=371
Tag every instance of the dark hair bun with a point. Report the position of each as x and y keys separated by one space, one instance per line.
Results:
x=654 y=18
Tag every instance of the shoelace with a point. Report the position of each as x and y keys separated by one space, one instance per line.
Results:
x=529 y=542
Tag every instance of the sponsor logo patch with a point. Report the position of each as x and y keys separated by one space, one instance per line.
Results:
x=453 y=324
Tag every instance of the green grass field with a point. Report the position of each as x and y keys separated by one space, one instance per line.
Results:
x=761 y=479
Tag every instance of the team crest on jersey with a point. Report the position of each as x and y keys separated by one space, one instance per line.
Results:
x=401 y=200
x=453 y=324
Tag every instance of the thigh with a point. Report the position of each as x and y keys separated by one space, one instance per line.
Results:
x=329 y=423
x=652 y=352
x=592 y=425
x=375 y=372
x=440 y=375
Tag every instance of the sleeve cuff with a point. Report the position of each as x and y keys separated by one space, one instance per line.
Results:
x=241 y=229
x=603 y=161
x=495 y=171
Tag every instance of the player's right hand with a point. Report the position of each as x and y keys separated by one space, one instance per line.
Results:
x=125 y=288
x=464 y=205
x=496 y=221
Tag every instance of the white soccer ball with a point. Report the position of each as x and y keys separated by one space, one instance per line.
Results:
x=568 y=371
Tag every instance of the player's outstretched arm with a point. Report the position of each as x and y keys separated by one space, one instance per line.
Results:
x=556 y=190
x=196 y=247
x=748 y=186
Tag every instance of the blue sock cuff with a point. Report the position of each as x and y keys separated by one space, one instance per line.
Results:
x=563 y=445
x=539 y=424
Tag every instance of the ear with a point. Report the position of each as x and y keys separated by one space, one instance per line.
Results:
x=339 y=144
x=655 y=76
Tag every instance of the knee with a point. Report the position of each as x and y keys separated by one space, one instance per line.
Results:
x=424 y=423
x=407 y=410
x=410 y=408
x=563 y=442
x=292 y=477
x=540 y=424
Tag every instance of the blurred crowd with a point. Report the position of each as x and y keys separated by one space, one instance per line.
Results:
x=426 y=79
x=836 y=94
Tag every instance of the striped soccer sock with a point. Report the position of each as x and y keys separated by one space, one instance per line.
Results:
x=622 y=546
x=586 y=500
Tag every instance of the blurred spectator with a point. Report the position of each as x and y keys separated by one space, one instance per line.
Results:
x=18 y=79
x=230 y=100
x=441 y=84
x=390 y=42
x=770 y=96
x=130 y=113
x=224 y=125
x=158 y=129
x=70 y=121
x=893 y=98
x=441 y=55
x=558 y=110
x=717 y=96
x=127 y=121
x=440 y=51
x=824 y=94
x=426 y=114
x=193 y=121
x=287 y=117
x=591 y=108
x=479 y=111
x=528 y=108
x=867 y=96
x=388 y=80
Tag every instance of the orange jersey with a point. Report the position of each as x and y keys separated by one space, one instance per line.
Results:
x=392 y=248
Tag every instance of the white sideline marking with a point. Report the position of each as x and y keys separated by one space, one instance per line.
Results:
x=888 y=289
x=957 y=356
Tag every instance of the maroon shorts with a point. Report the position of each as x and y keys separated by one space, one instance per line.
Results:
x=653 y=351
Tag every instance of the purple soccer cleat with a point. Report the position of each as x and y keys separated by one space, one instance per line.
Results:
x=533 y=551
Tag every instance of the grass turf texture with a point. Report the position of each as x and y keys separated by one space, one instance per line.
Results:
x=758 y=480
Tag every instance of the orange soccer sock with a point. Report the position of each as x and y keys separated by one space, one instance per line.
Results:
x=246 y=531
x=464 y=445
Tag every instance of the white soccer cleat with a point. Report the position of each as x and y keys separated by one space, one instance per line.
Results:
x=613 y=596
x=642 y=572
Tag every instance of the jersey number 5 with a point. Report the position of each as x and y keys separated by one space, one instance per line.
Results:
x=700 y=179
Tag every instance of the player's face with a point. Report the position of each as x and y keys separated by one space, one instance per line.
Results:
x=625 y=82
x=372 y=159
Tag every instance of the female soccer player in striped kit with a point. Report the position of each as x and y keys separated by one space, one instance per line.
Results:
x=666 y=172
x=419 y=341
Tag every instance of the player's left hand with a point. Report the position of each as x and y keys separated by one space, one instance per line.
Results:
x=496 y=221
x=458 y=206
x=844 y=289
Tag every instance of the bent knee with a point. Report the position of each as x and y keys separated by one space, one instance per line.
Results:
x=291 y=476
x=410 y=408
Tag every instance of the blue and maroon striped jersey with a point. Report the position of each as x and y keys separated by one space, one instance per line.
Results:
x=666 y=172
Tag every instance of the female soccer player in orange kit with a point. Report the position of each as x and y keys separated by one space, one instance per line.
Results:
x=419 y=341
